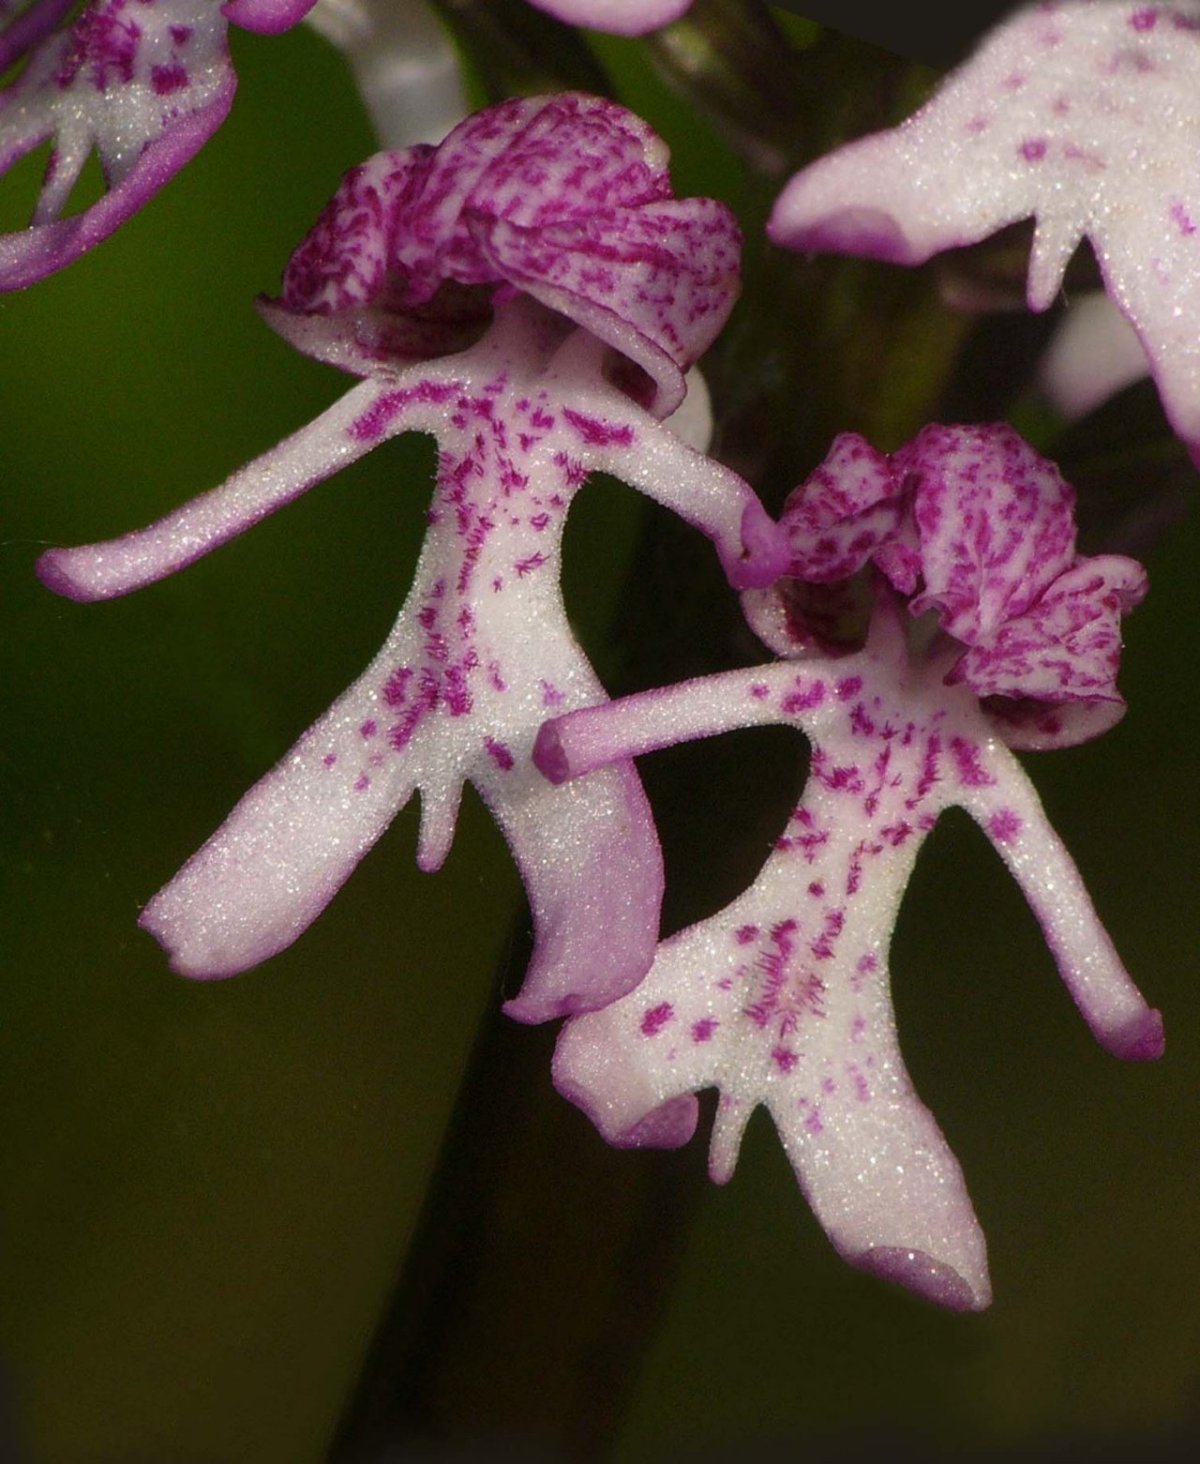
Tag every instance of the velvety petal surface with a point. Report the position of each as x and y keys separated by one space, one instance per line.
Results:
x=1085 y=116
x=143 y=84
x=1067 y=646
x=995 y=524
x=842 y=513
x=783 y=997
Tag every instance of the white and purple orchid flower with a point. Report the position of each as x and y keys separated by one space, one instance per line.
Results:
x=530 y=293
x=1010 y=639
x=146 y=83
x=1082 y=115
x=143 y=82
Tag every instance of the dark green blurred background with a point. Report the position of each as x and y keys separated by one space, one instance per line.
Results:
x=239 y=1220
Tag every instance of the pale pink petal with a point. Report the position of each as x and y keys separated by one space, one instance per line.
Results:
x=288 y=846
x=841 y=514
x=1085 y=116
x=592 y=869
x=1093 y=354
x=621 y=17
x=783 y=998
x=575 y=743
x=268 y=17
x=340 y=435
x=482 y=650
x=606 y=429
x=995 y=524
x=144 y=88
x=1066 y=647
x=1010 y=813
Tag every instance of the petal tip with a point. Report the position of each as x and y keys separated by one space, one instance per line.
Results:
x=53 y=569
x=549 y=755
x=866 y=233
x=182 y=955
x=669 y=1126
x=918 y=1271
x=765 y=553
x=1139 y=1040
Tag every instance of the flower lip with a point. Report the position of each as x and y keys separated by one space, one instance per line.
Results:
x=973 y=527
x=565 y=198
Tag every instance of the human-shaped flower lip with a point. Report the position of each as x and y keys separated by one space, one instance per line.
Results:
x=621 y=17
x=1083 y=115
x=415 y=244
x=782 y=998
x=144 y=82
x=971 y=524
x=481 y=653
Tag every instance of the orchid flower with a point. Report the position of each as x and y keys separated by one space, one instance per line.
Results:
x=510 y=292
x=782 y=998
x=144 y=82
x=1084 y=116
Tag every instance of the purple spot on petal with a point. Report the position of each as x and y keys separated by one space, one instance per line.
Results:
x=971 y=772
x=657 y=1018
x=1144 y=20
x=361 y=783
x=784 y=1059
x=597 y=433
x=499 y=754
x=805 y=698
x=745 y=934
x=1033 y=149
x=703 y=1030
x=1183 y=219
x=168 y=79
x=329 y=759
x=1004 y=826
x=368 y=729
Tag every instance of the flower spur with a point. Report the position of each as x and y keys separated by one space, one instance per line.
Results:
x=783 y=997
x=544 y=233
